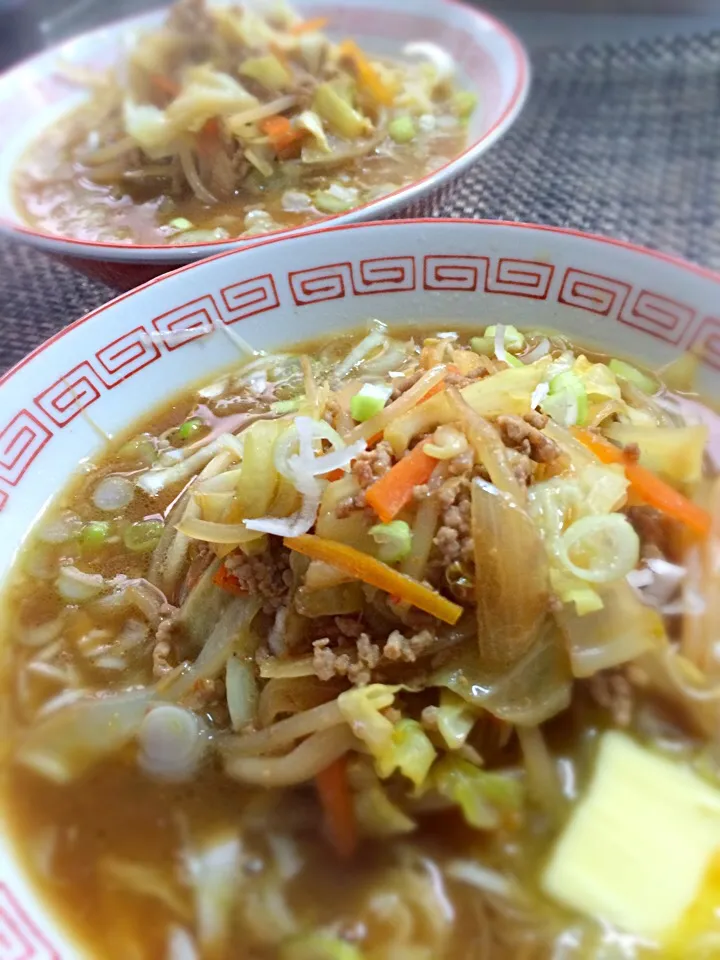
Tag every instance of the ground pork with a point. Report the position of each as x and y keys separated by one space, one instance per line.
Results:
x=164 y=636
x=658 y=534
x=453 y=539
x=407 y=649
x=485 y=368
x=332 y=409
x=403 y=384
x=613 y=692
x=525 y=434
x=373 y=464
x=358 y=663
x=209 y=696
x=265 y=574
x=366 y=469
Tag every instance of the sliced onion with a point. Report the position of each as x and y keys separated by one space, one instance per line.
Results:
x=482 y=878
x=539 y=394
x=391 y=358
x=276 y=637
x=358 y=353
x=214 y=867
x=511 y=577
x=73 y=737
x=439 y=58
x=292 y=526
x=181 y=945
x=489 y=448
x=242 y=691
x=539 y=351
x=231 y=632
x=337 y=460
x=60 y=529
x=621 y=631
x=537 y=687
x=500 y=351
x=171 y=742
x=657 y=582
x=76 y=586
x=113 y=493
x=302 y=435
x=611 y=541
x=684 y=676
x=210 y=532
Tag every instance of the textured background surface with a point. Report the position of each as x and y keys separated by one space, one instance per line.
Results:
x=620 y=139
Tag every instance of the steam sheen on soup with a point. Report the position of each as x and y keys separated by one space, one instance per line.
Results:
x=228 y=122
x=397 y=648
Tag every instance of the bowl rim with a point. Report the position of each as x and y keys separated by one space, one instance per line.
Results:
x=166 y=253
x=673 y=260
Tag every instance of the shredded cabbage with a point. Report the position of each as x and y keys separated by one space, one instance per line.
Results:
x=409 y=751
x=484 y=798
x=455 y=719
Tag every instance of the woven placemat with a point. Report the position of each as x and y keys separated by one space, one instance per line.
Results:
x=622 y=140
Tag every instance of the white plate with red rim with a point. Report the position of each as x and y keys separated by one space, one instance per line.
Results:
x=118 y=363
x=490 y=61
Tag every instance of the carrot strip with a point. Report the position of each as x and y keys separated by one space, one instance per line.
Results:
x=334 y=475
x=368 y=77
x=228 y=582
x=308 y=26
x=366 y=568
x=165 y=84
x=281 y=134
x=646 y=485
x=388 y=495
x=439 y=387
x=334 y=792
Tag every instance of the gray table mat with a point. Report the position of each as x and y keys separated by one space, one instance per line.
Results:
x=621 y=139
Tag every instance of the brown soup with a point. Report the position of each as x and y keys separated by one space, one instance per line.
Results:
x=253 y=704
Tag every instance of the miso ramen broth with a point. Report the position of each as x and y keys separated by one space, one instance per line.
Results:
x=227 y=122
x=395 y=647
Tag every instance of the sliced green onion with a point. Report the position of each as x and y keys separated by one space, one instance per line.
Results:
x=513 y=361
x=394 y=540
x=567 y=403
x=285 y=406
x=181 y=223
x=143 y=535
x=633 y=375
x=402 y=129
x=328 y=202
x=332 y=107
x=268 y=71
x=190 y=429
x=483 y=346
x=599 y=549
x=513 y=339
x=463 y=103
x=95 y=533
x=318 y=946
x=141 y=448
x=369 y=400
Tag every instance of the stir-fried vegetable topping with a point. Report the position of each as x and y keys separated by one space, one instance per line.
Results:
x=226 y=121
x=464 y=588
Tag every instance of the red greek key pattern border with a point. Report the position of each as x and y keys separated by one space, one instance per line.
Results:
x=247 y=298
x=650 y=312
x=20 y=938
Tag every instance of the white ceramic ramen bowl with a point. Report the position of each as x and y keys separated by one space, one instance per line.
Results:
x=490 y=61
x=116 y=364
